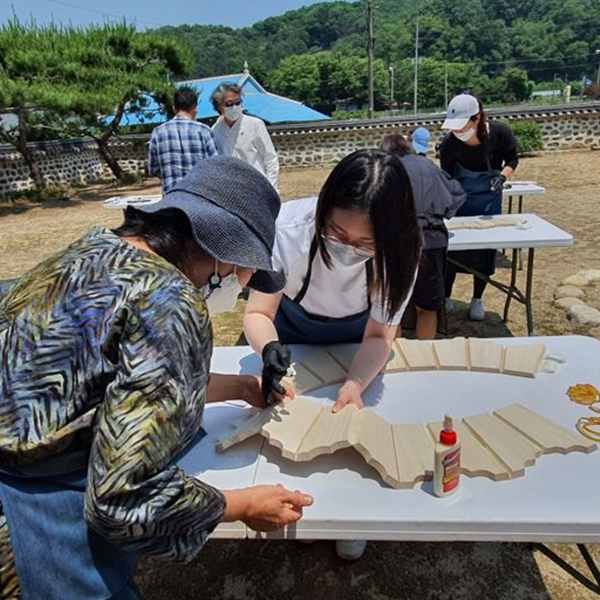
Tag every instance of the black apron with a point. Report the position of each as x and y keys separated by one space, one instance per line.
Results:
x=481 y=200
x=297 y=326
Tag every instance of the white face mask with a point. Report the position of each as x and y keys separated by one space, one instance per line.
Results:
x=344 y=254
x=465 y=136
x=222 y=293
x=233 y=113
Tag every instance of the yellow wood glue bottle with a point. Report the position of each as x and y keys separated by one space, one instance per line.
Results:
x=446 y=473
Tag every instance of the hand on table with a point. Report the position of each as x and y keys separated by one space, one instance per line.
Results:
x=253 y=392
x=269 y=507
x=350 y=393
x=277 y=359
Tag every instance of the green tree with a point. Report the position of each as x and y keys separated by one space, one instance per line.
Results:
x=512 y=86
x=320 y=79
x=432 y=74
x=73 y=79
x=135 y=66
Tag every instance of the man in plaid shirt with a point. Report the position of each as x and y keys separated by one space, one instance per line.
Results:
x=176 y=146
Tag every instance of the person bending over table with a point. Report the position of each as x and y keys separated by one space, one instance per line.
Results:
x=350 y=259
x=437 y=197
x=481 y=155
x=105 y=350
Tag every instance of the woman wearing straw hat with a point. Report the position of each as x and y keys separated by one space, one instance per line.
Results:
x=105 y=350
x=481 y=155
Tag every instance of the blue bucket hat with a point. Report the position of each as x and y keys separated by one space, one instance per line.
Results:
x=232 y=209
x=420 y=140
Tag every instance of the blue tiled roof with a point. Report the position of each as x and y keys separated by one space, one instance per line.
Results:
x=257 y=102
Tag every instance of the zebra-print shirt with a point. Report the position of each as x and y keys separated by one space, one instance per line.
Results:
x=105 y=353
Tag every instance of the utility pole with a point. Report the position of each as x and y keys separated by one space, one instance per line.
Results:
x=371 y=53
x=416 y=97
x=391 y=87
x=598 y=77
x=446 y=86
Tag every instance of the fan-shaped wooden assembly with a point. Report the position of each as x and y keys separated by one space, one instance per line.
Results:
x=328 y=365
x=498 y=446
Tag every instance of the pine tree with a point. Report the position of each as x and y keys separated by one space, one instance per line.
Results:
x=81 y=81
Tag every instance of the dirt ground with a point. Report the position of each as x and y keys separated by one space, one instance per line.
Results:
x=252 y=570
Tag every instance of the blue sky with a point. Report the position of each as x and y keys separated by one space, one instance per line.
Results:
x=150 y=13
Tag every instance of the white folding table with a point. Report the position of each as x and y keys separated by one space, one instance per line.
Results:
x=520 y=190
x=554 y=502
x=538 y=234
x=122 y=202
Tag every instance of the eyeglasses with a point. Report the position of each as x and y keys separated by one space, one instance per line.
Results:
x=362 y=251
x=231 y=103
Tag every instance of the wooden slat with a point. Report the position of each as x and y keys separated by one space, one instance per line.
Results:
x=249 y=427
x=418 y=355
x=375 y=443
x=343 y=354
x=414 y=454
x=475 y=459
x=452 y=354
x=320 y=363
x=330 y=432
x=396 y=362
x=548 y=434
x=303 y=381
x=524 y=360
x=486 y=356
x=510 y=447
x=290 y=426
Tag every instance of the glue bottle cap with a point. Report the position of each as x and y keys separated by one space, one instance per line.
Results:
x=448 y=435
x=448 y=438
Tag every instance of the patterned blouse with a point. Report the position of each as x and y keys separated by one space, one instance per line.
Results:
x=105 y=353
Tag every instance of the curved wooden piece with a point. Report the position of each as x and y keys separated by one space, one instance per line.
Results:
x=291 y=425
x=507 y=445
x=331 y=432
x=549 y=435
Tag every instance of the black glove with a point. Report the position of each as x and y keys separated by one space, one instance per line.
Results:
x=497 y=182
x=277 y=358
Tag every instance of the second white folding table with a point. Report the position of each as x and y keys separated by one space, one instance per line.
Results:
x=538 y=233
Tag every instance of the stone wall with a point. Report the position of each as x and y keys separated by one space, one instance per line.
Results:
x=328 y=146
x=78 y=162
x=70 y=163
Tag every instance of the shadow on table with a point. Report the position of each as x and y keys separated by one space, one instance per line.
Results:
x=347 y=458
x=257 y=569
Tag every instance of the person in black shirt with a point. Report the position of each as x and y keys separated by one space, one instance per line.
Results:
x=481 y=155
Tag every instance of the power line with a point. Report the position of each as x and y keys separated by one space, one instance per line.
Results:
x=434 y=35
x=105 y=14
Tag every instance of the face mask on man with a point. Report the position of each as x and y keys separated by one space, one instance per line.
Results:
x=233 y=113
x=465 y=136
x=221 y=293
x=344 y=254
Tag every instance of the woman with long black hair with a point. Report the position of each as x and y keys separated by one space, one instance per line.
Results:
x=481 y=155
x=350 y=259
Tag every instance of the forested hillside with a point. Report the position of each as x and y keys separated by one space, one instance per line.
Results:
x=497 y=48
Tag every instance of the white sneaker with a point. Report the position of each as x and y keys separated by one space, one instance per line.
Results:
x=449 y=305
x=476 y=312
x=350 y=549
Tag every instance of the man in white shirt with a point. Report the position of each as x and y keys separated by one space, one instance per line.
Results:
x=243 y=136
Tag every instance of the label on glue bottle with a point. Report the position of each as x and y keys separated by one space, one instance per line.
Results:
x=446 y=474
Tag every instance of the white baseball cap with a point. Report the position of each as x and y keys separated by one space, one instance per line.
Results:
x=460 y=110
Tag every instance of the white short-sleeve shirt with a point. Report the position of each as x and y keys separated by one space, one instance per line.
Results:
x=337 y=292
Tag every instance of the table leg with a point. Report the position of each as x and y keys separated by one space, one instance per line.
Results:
x=521 y=203
x=510 y=201
x=529 y=291
x=580 y=577
x=513 y=284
